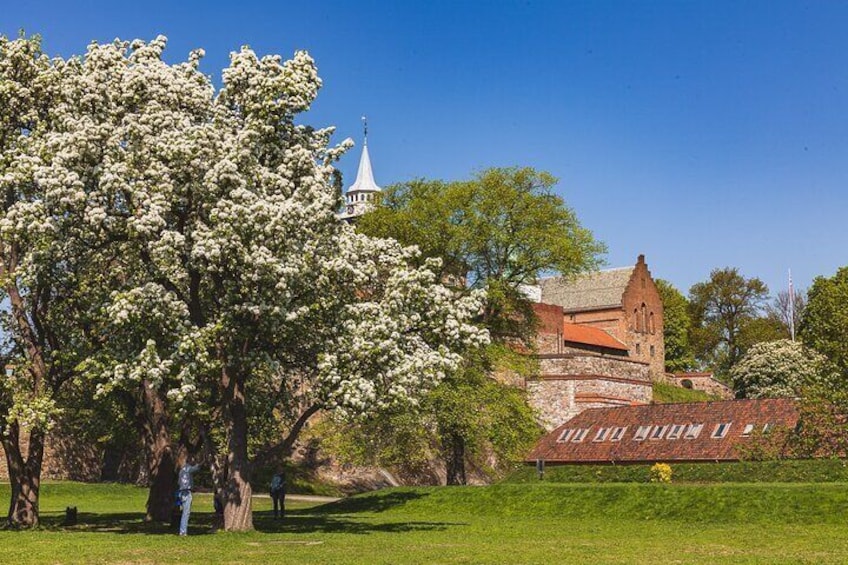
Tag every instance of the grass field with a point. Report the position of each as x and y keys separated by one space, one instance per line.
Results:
x=509 y=523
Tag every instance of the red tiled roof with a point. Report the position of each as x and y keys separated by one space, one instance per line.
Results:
x=738 y=413
x=577 y=333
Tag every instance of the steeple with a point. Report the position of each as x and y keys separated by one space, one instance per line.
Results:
x=361 y=194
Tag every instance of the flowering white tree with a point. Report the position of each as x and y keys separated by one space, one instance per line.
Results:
x=49 y=277
x=219 y=211
x=779 y=368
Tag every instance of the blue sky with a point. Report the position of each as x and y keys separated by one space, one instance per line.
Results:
x=702 y=134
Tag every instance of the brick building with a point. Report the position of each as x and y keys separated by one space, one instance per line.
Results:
x=581 y=367
x=623 y=302
x=599 y=342
x=697 y=431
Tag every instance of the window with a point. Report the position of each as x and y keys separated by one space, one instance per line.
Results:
x=636 y=320
x=580 y=435
x=721 y=430
x=644 y=318
x=652 y=351
x=675 y=431
x=651 y=327
x=766 y=428
x=638 y=349
x=618 y=433
x=693 y=431
x=748 y=429
x=565 y=435
x=602 y=434
x=642 y=433
x=659 y=432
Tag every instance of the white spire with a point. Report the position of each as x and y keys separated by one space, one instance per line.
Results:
x=364 y=176
x=360 y=195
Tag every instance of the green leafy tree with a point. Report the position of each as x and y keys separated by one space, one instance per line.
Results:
x=497 y=231
x=720 y=309
x=469 y=417
x=824 y=326
x=676 y=328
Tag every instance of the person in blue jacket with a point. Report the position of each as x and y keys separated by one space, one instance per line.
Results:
x=185 y=485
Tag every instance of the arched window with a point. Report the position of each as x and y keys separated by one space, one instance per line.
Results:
x=651 y=327
x=644 y=318
x=635 y=319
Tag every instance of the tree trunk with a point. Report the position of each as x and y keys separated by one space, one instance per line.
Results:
x=238 y=508
x=161 y=460
x=455 y=460
x=24 y=476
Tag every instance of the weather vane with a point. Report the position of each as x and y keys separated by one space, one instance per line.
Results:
x=365 y=126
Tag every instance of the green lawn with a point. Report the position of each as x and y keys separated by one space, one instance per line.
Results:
x=509 y=523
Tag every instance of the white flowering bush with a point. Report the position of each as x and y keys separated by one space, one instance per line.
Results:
x=778 y=369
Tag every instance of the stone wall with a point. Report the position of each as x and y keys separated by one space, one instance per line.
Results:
x=65 y=458
x=575 y=381
x=705 y=382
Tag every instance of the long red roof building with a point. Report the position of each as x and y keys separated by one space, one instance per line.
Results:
x=697 y=431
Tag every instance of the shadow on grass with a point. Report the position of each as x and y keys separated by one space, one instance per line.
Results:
x=379 y=501
x=337 y=517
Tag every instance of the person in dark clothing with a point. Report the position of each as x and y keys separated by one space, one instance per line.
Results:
x=278 y=495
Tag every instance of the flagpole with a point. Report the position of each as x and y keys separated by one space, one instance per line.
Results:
x=791 y=308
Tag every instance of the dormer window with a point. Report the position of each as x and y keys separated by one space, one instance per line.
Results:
x=721 y=430
x=641 y=433
x=580 y=435
x=693 y=431
x=618 y=433
x=602 y=434
x=675 y=431
x=748 y=430
x=565 y=435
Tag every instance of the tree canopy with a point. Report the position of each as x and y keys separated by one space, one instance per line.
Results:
x=781 y=368
x=500 y=230
x=676 y=328
x=824 y=325
x=721 y=309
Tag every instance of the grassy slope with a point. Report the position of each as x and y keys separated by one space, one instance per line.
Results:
x=665 y=393
x=540 y=523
